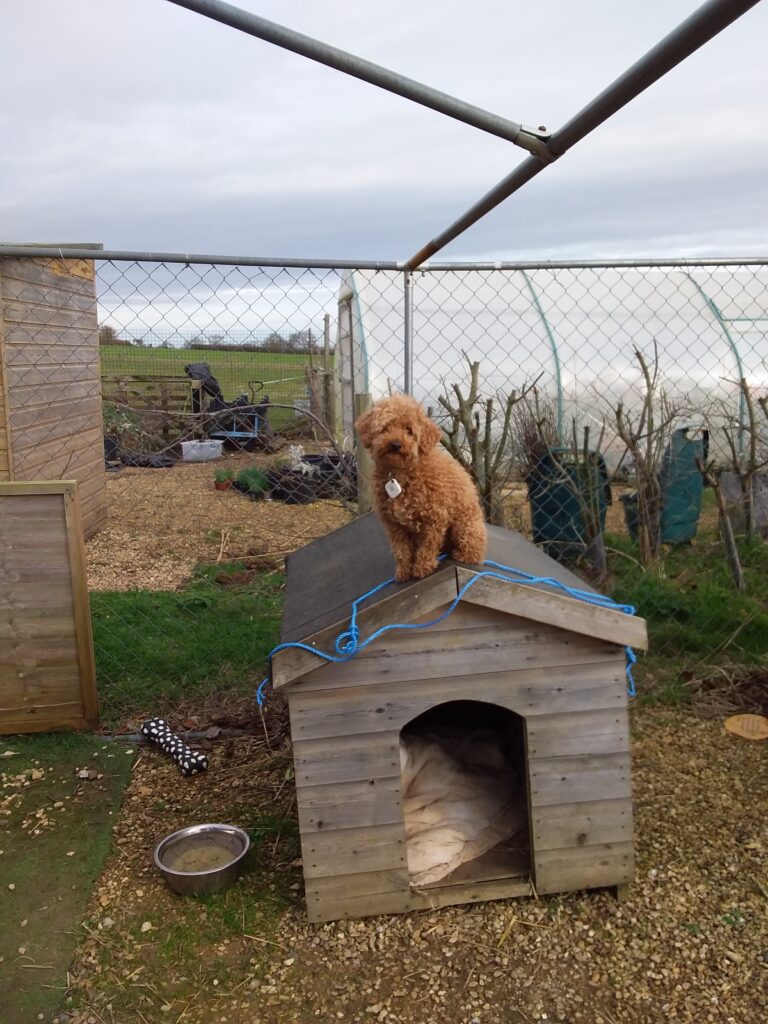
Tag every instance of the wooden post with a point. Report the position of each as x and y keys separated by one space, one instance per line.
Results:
x=329 y=392
x=364 y=462
x=314 y=392
x=165 y=408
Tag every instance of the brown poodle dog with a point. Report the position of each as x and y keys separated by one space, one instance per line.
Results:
x=426 y=500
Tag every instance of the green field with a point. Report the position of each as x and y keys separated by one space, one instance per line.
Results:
x=283 y=373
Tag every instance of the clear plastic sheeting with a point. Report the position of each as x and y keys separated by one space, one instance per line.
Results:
x=575 y=331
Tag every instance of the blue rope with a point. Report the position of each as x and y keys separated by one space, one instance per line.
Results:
x=348 y=643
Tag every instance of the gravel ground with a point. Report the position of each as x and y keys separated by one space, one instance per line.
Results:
x=691 y=943
x=162 y=522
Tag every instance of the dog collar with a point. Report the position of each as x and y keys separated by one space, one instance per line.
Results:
x=393 y=488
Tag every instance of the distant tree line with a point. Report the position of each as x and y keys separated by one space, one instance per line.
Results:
x=296 y=341
x=306 y=342
x=108 y=336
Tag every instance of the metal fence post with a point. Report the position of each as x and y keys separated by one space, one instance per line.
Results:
x=329 y=392
x=364 y=463
x=408 y=332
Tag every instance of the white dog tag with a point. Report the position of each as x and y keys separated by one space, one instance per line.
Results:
x=393 y=488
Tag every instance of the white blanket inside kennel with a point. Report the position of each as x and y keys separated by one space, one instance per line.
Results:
x=460 y=799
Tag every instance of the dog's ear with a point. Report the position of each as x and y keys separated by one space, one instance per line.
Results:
x=430 y=433
x=364 y=426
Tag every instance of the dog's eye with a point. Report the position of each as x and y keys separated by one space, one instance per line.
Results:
x=409 y=432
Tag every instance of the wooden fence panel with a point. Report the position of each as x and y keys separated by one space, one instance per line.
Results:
x=47 y=672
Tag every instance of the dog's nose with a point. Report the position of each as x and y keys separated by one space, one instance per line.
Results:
x=395 y=446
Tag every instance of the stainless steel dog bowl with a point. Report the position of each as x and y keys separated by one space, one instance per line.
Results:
x=202 y=858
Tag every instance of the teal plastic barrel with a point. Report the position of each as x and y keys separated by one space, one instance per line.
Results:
x=682 y=486
x=558 y=492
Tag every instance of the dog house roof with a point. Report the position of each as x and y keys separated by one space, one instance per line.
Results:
x=326 y=576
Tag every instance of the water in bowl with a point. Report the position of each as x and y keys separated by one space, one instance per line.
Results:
x=198 y=856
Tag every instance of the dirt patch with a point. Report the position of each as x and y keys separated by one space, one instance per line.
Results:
x=691 y=944
x=163 y=522
x=730 y=691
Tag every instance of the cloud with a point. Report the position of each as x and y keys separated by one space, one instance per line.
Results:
x=148 y=127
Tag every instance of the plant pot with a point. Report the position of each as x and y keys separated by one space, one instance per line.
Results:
x=222 y=485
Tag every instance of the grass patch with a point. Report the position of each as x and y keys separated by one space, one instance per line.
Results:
x=155 y=647
x=55 y=832
x=164 y=954
x=282 y=372
x=253 y=906
x=695 y=615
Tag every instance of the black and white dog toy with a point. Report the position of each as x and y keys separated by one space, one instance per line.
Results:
x=191 y=763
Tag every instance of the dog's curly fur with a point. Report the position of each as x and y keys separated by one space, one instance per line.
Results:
x=438 y=508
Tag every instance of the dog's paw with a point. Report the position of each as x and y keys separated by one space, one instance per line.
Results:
x=422 y=569
x=403 y=573
x=470 y=556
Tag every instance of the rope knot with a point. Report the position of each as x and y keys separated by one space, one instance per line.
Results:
x=348 y=642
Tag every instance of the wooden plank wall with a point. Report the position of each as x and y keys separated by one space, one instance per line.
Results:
x=47 y=675
x=5 y=457
x=346 y=720
x=49 y=365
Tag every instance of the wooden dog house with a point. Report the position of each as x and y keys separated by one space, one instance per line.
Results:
x=549 y=667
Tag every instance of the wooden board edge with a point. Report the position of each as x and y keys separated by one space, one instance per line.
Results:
x=291 y=663
x=612 y=805
x=37 y=486
x=560 y=611
x=617 y=867
x=355 y=907
x=5 y=407
x=82 y=609
x=37 y=719
x=470 y=892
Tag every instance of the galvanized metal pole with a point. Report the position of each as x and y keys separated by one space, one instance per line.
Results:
x=130 y=256
x=367 y=71
x=212 y=259
x=408 y=332
x=363 y=459
x=528 y=169
x=689 y=36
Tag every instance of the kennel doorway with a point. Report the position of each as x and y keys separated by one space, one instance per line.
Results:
x=464 y=787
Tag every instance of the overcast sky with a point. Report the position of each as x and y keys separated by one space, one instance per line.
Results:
x=141 y=125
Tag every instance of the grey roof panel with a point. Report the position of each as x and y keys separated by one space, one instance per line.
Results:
x=517 y=552
x=326 y=576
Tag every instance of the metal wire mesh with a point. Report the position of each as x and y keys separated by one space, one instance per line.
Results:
x=261 y=330
x=584 y=376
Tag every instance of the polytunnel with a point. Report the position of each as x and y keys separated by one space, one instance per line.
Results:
x=575 y=330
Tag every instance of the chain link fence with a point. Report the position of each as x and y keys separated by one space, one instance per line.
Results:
x=616 y=415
